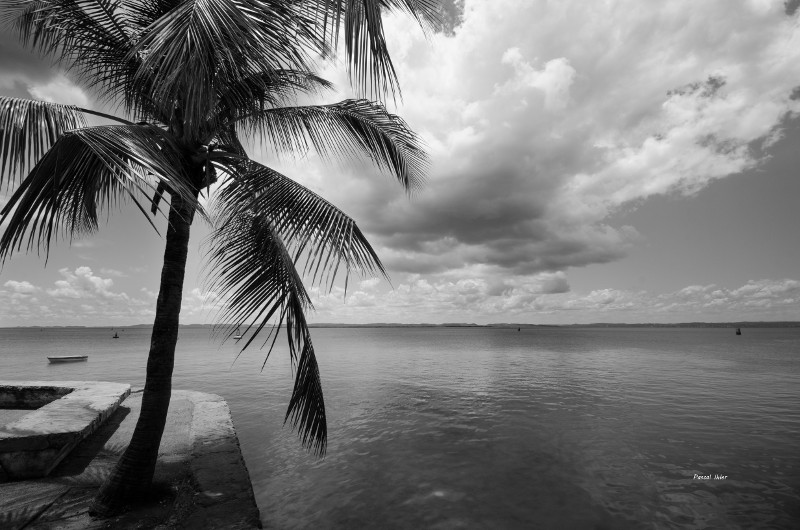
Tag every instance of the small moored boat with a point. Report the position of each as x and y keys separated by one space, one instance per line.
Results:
x=238 y=334
x=66 y=358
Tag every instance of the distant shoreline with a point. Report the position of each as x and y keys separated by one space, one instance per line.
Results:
x=759 y=324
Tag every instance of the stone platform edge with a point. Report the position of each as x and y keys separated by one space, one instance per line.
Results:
x=63 y=413
x=225 y=496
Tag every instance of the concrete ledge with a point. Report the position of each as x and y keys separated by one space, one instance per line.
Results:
x=225 y=494
x=29 y=395
x=199 y=461
x=68 y=412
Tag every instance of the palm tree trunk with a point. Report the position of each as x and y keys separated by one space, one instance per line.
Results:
x=133 y=474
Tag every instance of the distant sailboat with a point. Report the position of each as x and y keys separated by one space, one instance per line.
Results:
x=738 y=331
x=238 y=334
x=116 y=335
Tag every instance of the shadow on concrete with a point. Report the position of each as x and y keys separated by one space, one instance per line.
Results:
x=20 y=506
x=91 y=447
x=20 y=517
x=200 y=479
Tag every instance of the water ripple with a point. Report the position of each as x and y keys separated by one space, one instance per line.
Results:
x=491 y=428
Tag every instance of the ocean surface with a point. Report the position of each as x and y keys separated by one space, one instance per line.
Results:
x=494 y=428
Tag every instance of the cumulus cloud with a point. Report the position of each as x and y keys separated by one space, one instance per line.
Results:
x=59 y=90
x=25 y=74
x=197 y=303
x=553 y=80
x=83 y=283
x=85 y=243
x=80 y=297
x=112 y=272
x=547 y=298
x=23 y=288
x=543 y=119
x=422 y=297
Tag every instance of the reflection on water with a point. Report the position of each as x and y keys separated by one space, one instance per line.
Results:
x=492 y=428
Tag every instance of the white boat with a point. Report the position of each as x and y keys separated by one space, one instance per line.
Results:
x=238 y=334
x=66 y=358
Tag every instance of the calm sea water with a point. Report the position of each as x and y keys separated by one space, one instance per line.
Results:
x=494 y=428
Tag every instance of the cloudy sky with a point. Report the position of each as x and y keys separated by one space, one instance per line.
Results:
x=614 y=161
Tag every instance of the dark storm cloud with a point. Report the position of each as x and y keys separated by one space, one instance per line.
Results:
x=472 y=211
x=25 y=74
x=543 y=124
x=490 y=211
x=21 y=63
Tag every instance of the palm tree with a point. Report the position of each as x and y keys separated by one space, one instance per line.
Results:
x=191 y=77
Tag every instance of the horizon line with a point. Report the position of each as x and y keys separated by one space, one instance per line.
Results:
x=731 y=323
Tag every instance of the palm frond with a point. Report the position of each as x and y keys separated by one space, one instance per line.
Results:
x=228 y=141
x=86 y=171
x=93 y=39
x=76 y=33
x=251 y=264
x=45 y=23
x=209 y=70
x=199 y=48
x=312 y=228
x=306 y=408
x=351 y=127
x=28 y=129
x=141 y=13
x=370 y=65
x=264 y=90
x=107 y=14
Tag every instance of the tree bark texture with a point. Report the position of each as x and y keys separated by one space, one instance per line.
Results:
x=133 y=474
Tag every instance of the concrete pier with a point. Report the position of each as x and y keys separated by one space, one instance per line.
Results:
x=201 y=480
x=62 y=414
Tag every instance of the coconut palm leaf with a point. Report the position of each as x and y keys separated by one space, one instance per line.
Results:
x=351 y=127
x=89 y=35
x=86 y=171
x=199 y=48
x=252 y=266
x=370 y=65
x=228 y=144
x=307 y=407
x=46 y=24
x=93 y=38
x=310 y=226
x=206 y=71
x=253 y=95
x=28 y=129
x=264 y=90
